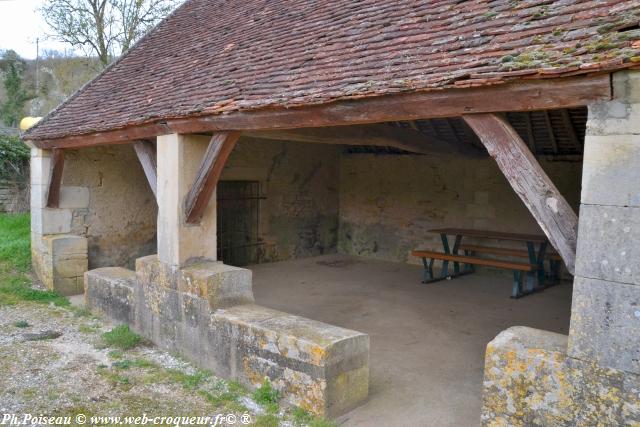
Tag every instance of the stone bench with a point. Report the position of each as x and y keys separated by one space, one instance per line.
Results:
x=319 y=367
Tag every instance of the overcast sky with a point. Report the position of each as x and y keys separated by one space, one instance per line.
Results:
x=21 y=25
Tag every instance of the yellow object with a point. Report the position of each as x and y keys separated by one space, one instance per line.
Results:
x=28 y=122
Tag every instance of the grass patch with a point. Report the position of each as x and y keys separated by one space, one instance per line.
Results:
x=269 y=420
x=21 y=324
x=267 y=396
x=121 y=337
x=15 y=264
x=135 y=363
x=302 y=418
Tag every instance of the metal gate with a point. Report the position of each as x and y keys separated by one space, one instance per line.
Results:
x=238 y=217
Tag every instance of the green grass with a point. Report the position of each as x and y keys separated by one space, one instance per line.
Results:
x=267 y=396
x=301 y=418
x=21 y=324
x=121 y=337
x=15 y=264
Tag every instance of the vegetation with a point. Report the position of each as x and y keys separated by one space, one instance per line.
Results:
x=121 y=337
x=21 y=324
x=15 y=93
x=104 y=28
x=15 y=264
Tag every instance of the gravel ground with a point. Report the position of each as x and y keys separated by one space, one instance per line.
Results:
x=75 y=374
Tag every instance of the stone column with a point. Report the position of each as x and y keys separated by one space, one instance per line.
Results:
x=179 y=243
x=605 y=318
x=59 y=258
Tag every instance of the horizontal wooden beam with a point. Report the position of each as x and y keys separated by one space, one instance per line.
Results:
x=524 y=95
x=209 y=172
x=55 y=181
x=146 y=152
x=518 y=164
x=381 y=135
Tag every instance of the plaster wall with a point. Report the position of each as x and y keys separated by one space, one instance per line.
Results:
x=300 y=184
x=388 y=203
x=110 y=204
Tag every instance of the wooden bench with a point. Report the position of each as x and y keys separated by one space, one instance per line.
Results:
x=554 y=258
x=519 y=269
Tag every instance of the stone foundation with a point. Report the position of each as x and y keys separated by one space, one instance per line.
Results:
x=60 y=261
x=530 y=381
x=205 y=312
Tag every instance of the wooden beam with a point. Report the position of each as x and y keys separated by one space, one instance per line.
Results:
x=215 y=157
x=146 y=152
x=552 y=135
x=530 y=138
x=381 y=135
x=524 y=95
x=571 y=130
x=57 y=166
x=550 y=209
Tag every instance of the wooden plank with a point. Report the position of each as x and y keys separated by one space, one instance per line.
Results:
x=215 y=157
x=474 y=260
x=519 y=96
x=490 y=234
x=550 y=209
x=506 y=251
x=381 y=135
x=146 y=152
x=57 y=167
x=531 y=141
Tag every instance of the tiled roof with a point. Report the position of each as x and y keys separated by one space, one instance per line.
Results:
x=221 y=56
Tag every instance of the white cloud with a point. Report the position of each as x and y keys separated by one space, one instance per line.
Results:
x=21 y=25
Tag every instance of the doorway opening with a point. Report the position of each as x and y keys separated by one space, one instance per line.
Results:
x=238 y=222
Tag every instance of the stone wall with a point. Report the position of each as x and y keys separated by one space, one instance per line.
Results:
x=388 y=203
x=299 y=183
x=110 y=203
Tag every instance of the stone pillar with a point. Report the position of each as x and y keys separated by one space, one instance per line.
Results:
x=59 y=258
x=605 y=318
x=179 y=157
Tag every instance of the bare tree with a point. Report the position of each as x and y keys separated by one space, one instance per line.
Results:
x=105 y=28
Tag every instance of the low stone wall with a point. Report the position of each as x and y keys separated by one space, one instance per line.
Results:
x=530 y=381
x=206 y=313
x=60 y=261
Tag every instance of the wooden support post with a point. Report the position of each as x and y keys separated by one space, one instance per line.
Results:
x=550 y=209
x=146 y=152
x=57 y=166
x=215 y=157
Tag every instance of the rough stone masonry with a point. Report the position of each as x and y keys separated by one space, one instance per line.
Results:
x=591 y=377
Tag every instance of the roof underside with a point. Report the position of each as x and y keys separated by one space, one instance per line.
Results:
x=217 y=57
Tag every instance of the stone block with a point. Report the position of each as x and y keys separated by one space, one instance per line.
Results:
x=50 y=221
x=626 y=86
x=219 y=284
x=613 y=118
x=74 y=197
x=40 y=169
x=319 y=367
x=110 y=291
x=73 y=267
x=605 y=324
x=38 y=196
x=608 y=243
x=530 y=381
x=68 y=286
x=610 y=163
x=63 y=246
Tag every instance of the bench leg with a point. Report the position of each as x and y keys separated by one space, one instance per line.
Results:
x=516 y=290
x=427 y=272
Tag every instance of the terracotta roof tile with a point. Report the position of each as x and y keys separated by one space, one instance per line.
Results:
x=221 y=56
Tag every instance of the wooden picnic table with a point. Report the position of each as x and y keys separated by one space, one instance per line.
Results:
x=536 y=245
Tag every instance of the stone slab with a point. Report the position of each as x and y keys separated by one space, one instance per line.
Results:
x=64 y=245
x=605 y=324
x=74 y=197
x=530 y=381
x=613 y=118
x=608 y=246
x=626 y=86
x=110 y=291
x=50 y=221
x=611 y=175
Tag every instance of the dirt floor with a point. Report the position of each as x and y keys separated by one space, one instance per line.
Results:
x=427 y=341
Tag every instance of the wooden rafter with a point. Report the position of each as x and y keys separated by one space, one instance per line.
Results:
x=550 y=209
x=381 y=135
x=571 y=130
x=531 y=141
x=521 y=96
x=552 y=135
x=55 y=182
x=146 y=152
x=209 y=172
